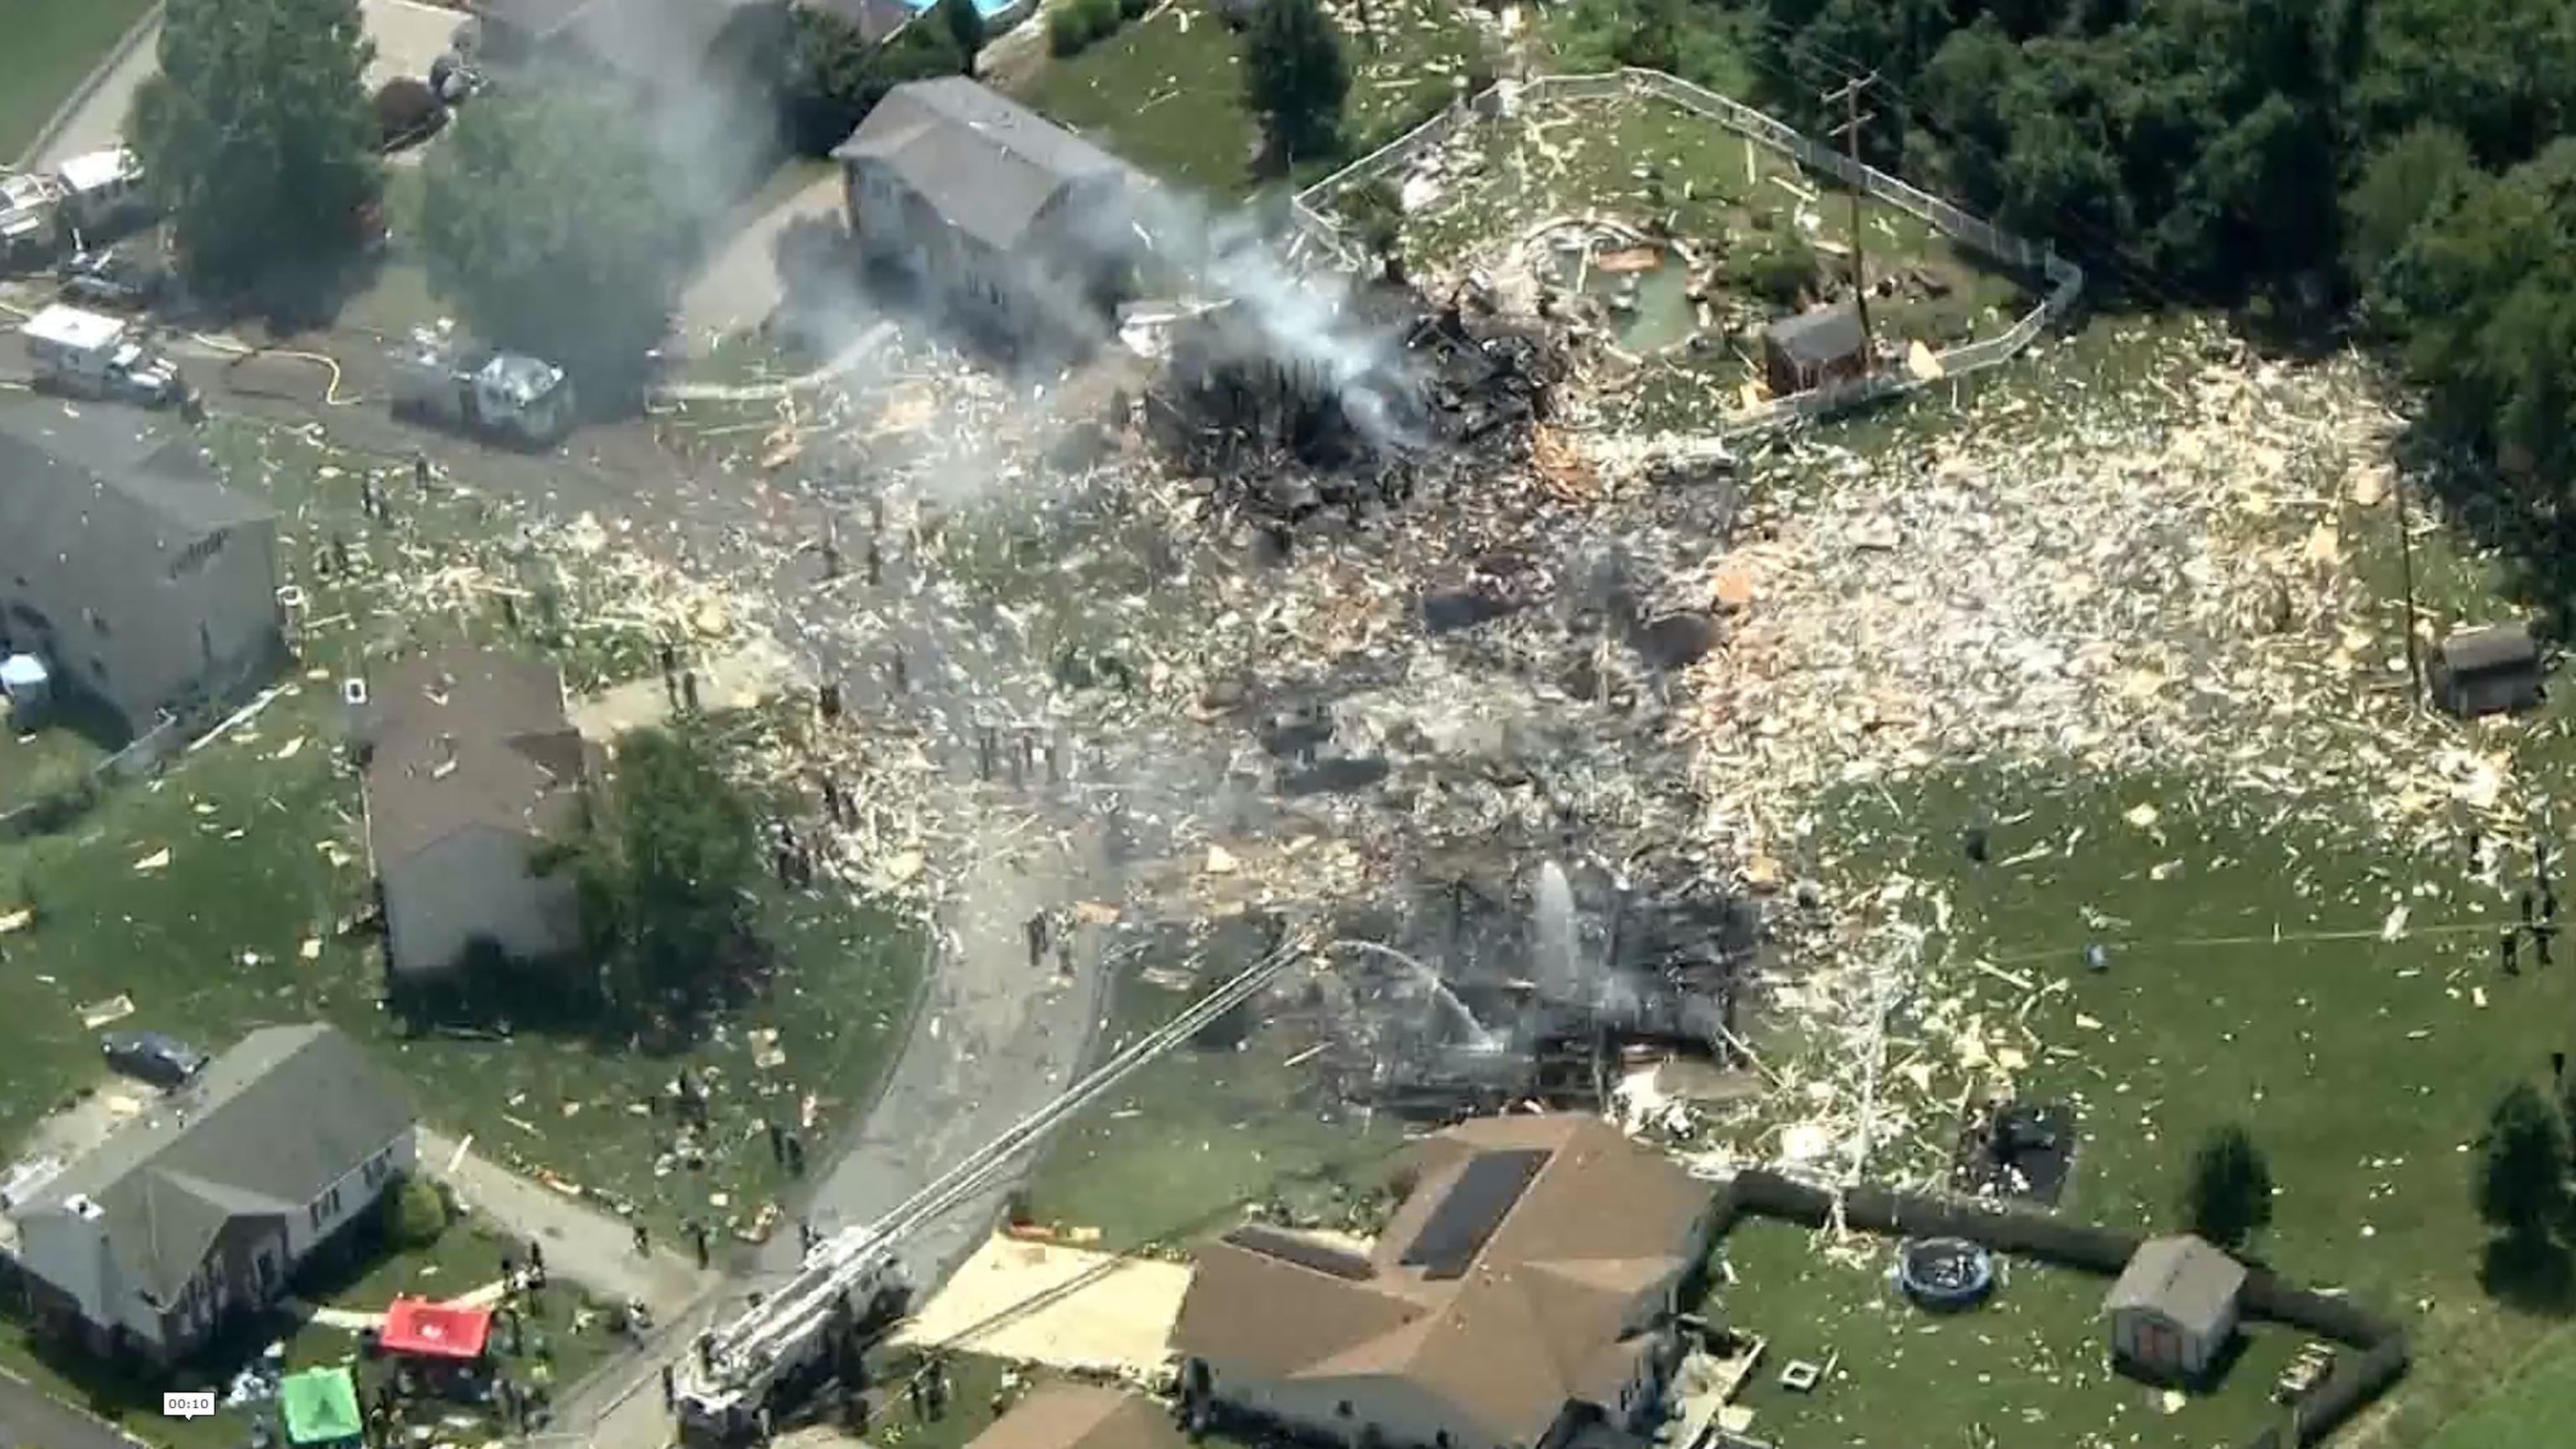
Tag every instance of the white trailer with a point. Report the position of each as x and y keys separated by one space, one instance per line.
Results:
x=89 y=355
x=102 y=191
x=30 y=219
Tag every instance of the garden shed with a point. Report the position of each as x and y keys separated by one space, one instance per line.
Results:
x=2174 y=1308
x=1814 y=349
x=2486 y=671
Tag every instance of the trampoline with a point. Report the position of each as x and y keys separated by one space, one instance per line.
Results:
x=1945 y=1274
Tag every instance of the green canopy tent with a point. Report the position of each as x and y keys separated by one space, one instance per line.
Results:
x=321 y=1408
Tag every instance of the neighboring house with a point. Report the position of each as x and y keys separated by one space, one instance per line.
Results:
x=2174 y=1308
x=876 y=21
x=1523 y=1297
x=127 y=566
x=1082 y=1416
x=665 y=46
x=472 y=770
x=1814 y=349
x=1016 y=225
x=2494 y=670
x=206 y=1205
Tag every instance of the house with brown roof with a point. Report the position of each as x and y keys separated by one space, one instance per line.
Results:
x=1082 y=1416
x=472 y=772
x=1521 y=1298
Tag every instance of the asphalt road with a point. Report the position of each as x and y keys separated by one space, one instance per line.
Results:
x=31 y=1420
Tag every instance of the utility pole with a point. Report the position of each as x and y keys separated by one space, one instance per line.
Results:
x=1848 y=132
x=2406 y=577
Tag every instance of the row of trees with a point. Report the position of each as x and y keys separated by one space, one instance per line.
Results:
x=2408 y=162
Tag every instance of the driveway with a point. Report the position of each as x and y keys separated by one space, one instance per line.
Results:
x=740 y=287
x=592 y=1248
x=408 y=36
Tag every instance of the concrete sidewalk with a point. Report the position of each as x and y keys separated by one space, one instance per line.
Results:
x=583 y=1244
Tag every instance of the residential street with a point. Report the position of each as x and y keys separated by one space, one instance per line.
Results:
x=29 y=1418
x=583 y=1244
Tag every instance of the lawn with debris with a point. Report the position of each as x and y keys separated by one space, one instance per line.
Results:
x=228 y=892
x=2120 y=670
x=1730 y=203
x=1166 y=91
x=1221 y=1126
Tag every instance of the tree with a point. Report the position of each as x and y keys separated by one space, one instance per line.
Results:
x=1296 y=80
x=547 y=224
x=663 y=869
x=257 y=137
x=2522 y=1168
x=965 y=26
x=2229 y=1196
x=2411 y=177
x=835 y=75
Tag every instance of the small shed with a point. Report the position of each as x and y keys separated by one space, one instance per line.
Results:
x=2174 y=1308
x=2486 y=671
x=321 y=1409
x=1814 y=349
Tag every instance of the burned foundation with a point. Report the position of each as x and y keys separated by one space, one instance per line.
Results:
x=1293 y=438
x=1481 y=999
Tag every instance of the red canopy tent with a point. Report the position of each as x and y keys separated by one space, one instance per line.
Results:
x=422 y=1329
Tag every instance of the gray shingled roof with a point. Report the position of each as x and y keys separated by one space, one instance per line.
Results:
x=988 y=164
x=1824 y=335
x=2183 y=1278
x=270 y=1125
x=2497 y=646
x=65 y=471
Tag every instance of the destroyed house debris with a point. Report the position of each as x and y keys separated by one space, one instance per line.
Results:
x=2494 y=670
x=208 y=1203
x=2174 y=1307
x=1561 y=1315
x=472 y=772
x=128 y=567
x=1018 y=224
x=1291 y=437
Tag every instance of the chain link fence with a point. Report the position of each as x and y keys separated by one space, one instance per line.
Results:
x=2065 y=278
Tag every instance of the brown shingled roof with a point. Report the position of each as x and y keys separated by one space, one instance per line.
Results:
x=1545 y=1315
x=461 y=739
x=1081 y=1416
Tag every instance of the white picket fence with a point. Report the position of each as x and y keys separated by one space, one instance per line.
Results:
x=2066 y=279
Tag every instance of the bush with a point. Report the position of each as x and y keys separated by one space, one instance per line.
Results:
x=1134 y=9
x=407 y=110
x=415 y=1212
x=1100 y=18
x=1067 y=31
x=1782 y=274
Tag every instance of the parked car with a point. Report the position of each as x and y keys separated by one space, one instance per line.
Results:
x=113 y=278
x=150 y=1056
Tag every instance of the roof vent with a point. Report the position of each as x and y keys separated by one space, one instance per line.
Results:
x=353 y=693
x=84 y=1208
x=446 y=758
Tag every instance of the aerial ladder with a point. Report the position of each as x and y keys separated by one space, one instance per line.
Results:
x=855 y=1276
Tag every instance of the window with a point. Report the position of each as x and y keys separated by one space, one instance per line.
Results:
x=314 y=1214
x=1342 y=1410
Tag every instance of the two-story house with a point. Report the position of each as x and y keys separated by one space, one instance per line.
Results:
x=473 y=771
x=1523 y=1297
x=1013 y=224
x=127 y=565
x=205 y=1206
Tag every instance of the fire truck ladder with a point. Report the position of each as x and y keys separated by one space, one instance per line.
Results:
x=774 y=1330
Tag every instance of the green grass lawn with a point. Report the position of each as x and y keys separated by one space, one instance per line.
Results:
x=220 y=896
x=45 y=759
x=1166 y=91
x=52 y=45
x=1190 y=1139
x=2026 y=1367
